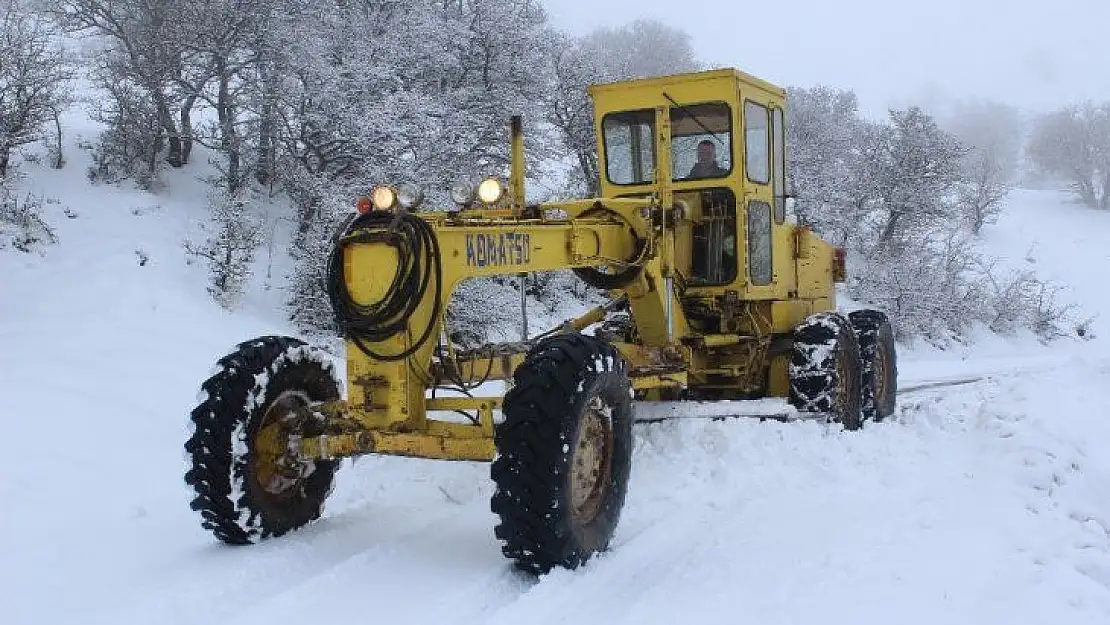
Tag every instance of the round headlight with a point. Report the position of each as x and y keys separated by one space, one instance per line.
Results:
x=490 y=190
x=462 y=192
x=383 y=197
x=410 y=196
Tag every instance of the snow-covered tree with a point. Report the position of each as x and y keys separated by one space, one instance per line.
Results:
x=824 y=131
x=140 y=46
x=993 y=134
x=571 y=113
x=983 y=191
x=34 y=71
x=218 y=41
x=890 y=192
x=640 y=49
x=1074 y=144
x=130 y=146
x=908 y=170
x=416 y=91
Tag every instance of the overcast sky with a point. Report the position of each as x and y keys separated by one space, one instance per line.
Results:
x=1035 y=54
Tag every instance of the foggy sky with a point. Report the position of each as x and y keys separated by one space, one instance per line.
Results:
x=1036 y=55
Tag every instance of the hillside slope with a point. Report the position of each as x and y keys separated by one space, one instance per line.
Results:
x=982 y=503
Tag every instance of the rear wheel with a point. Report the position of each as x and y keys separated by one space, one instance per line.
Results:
x=564 y=453
x=880 y=367
x=246 y=486
x=825 y=369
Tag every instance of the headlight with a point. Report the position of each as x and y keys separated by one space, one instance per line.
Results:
x=410 y=196
x=383 y=197
x=490 y=190
x=462 y=192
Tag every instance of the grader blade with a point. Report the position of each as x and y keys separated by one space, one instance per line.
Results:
x=762 y=409
x=774 y=409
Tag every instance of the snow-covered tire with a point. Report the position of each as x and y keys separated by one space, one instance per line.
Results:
x=825 y=369
x=564 y=453
x=254 y=387
x=880 y=365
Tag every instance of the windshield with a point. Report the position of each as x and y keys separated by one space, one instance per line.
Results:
x=701 y=139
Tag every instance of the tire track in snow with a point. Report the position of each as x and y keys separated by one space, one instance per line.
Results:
x=602 y=590
x=215 y=583
x=437 y=574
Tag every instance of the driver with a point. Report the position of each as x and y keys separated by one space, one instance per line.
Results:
x=706 y=166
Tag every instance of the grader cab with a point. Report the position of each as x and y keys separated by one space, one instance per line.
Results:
x=716 y=294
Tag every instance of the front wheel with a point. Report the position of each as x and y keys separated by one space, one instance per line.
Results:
x=564 y=453
x=245 y=488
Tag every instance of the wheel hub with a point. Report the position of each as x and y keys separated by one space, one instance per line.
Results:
x=279 y=472
x=590 y=466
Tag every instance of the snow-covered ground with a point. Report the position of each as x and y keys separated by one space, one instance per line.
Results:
x=983 y=503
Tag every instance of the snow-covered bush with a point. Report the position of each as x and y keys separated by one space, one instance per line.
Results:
x=307 y=299
x=233 y=237
x=21 y=224
x=485 y=310
x=131 y=145
x=928 y=292
x=430 y=104
x=551 y=288
x=945 y=287
x=1020 y=300
x=488 y=309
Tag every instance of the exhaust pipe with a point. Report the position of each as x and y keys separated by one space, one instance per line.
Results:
x=516 y=176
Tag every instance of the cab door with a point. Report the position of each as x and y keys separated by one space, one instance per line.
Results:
x=756 y=227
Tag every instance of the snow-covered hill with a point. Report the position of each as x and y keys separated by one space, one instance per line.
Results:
x=983 y=503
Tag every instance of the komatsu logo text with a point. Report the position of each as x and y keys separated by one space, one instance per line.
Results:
x=496 y=250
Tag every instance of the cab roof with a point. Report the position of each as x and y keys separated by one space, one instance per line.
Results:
x=659 y=82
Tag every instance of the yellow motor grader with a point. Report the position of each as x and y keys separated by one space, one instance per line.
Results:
x=716 y=294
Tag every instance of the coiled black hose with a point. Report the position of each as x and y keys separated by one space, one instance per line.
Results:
x=418 y=259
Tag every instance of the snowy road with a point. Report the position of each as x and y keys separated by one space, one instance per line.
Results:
x=983 y=503
x=974 y=505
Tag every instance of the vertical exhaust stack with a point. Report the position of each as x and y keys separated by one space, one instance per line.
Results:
x=516 y=176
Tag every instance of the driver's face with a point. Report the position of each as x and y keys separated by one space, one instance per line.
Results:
x=707 y=153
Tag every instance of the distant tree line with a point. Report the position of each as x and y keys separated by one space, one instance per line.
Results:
x=1073 y=144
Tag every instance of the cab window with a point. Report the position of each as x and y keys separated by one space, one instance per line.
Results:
x=701 y=141
x=780 y=165
x=757 y=142
x=759 y=243
x=629 y=139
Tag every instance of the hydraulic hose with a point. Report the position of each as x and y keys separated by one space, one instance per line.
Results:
x=418 y=257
